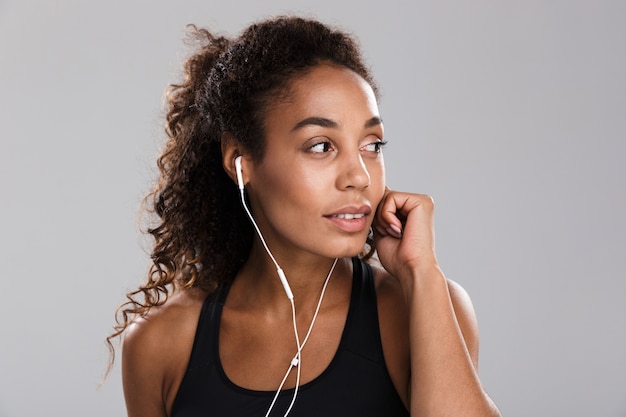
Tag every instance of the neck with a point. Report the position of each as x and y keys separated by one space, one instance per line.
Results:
x=259 y=282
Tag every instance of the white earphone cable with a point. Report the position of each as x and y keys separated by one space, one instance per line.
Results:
x=297 y=360
x=258 y=231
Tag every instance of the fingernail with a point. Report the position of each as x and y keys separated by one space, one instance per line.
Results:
x=394 y=230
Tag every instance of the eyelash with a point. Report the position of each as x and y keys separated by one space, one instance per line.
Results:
x=379 y=145
x=325 y=143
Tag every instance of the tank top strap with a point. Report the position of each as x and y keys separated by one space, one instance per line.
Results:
x=362 y=327
x=205 y=347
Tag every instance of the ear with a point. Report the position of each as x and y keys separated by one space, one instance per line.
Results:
x=231 y=149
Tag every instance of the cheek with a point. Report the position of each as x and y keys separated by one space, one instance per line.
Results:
x=298 y=178
x=290 y=189
x=377 y=180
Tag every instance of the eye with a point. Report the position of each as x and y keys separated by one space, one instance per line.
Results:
x=376 y=146
x=320 y=147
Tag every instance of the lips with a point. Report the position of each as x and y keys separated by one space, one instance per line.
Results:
x=350 y=219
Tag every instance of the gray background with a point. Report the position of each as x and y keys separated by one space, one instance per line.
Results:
x=511 y=114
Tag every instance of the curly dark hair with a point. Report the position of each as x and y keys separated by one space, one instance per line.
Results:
x=201 y=234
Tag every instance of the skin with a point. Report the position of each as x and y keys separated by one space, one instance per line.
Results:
x=322 y=158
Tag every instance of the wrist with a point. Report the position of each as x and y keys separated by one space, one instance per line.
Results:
x=423 y=278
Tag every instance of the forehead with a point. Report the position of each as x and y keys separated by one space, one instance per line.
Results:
x=325 y=90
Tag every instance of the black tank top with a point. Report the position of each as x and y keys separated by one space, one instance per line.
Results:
x=356 y=382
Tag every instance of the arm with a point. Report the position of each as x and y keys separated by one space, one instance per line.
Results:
x=443 y=335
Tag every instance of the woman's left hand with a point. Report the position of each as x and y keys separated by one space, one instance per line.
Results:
x=404 y=233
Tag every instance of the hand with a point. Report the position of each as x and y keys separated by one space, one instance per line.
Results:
x=404 y=233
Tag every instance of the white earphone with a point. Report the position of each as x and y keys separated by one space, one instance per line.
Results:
x=239 y=174
x=281 y=274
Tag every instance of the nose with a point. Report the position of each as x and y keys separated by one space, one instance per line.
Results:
x=353 y=173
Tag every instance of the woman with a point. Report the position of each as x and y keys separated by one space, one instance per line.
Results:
x=271 y=311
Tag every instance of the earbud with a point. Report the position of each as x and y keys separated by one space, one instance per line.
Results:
x=239 y=174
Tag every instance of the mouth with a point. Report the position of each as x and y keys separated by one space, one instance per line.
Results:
x=350 y=219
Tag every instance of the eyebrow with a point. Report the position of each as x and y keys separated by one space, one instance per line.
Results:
x=324 y=122
x=374 y=121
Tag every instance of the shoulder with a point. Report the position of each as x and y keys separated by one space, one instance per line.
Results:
x=156 y=349
x=466 y=318
x=174 y=318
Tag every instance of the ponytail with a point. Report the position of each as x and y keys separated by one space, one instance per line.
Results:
x=201 y=236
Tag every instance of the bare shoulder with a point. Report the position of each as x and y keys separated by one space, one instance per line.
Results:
x=176 y=317
x=155 y=352
x=459 y=296
x=466 y=317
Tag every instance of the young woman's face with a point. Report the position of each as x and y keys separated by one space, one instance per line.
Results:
x=322 y=174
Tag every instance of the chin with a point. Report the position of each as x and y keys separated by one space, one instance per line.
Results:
x=350 y=250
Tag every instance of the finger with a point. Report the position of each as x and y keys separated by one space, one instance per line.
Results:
x=380 y=230
x=399 y=205
x=396 y=207
x=386 y=222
